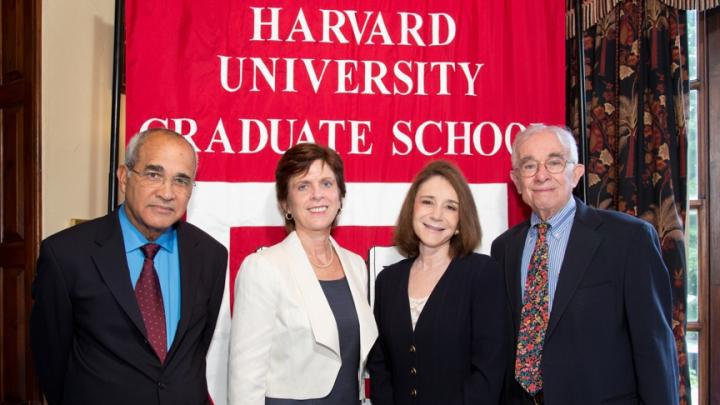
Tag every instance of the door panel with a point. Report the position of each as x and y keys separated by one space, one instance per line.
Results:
x=20 y=193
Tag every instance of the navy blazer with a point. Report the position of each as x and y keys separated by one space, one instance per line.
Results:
x=609 y=338
x=459 y=350
x=86 y=331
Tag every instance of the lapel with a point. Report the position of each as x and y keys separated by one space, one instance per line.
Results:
x=513 y=261
x=366 y=320
x=584 y=241
x=434 y=304
x=400 y=304
x=322 y=320
x=191 y=260
x=111 y=262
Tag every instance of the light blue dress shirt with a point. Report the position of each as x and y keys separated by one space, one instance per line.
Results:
x=557 y=239
x=167 y=265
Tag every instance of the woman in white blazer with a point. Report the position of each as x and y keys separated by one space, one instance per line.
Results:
x=302 y=327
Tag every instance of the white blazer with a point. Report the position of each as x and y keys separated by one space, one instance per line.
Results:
x=284 y=339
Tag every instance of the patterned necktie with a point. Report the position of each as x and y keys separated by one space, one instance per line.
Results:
x=534 y=317
x=150 y=301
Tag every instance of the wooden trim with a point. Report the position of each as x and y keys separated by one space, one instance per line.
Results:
x=712 y=66
x=33 y=213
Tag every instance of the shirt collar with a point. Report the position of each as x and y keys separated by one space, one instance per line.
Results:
x=559 y=220
x=134 y=239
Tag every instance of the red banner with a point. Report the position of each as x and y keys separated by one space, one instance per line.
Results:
x=388 y=84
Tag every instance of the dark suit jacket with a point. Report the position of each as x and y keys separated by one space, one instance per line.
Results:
x=86 y=331
x=609 y=338
x=460 y=347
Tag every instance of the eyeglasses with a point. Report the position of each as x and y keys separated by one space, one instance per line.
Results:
x=553 y=165
x=154 y=178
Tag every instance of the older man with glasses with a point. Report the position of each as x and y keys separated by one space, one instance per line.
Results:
x=589 y=293
x=126 y=304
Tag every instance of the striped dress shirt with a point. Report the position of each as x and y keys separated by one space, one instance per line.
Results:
x=557 y=239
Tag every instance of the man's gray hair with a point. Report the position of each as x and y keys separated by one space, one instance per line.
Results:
x=133 y=147
x=565 y=137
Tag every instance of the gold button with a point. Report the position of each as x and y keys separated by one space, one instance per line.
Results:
x=413 y=371
x=412 y=349
x=413 y=392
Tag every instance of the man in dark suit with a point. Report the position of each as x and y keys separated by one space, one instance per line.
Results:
x=126 y=304
x=589 y=293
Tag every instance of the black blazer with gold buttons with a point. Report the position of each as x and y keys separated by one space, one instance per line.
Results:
x=460 y=347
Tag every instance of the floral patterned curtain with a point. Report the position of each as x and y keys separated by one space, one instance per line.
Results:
x=636 y=84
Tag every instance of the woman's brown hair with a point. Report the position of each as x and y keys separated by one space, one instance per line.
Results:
x=297 y=160
x=469 y=235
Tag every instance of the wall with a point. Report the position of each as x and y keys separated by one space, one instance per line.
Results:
x=77 y=46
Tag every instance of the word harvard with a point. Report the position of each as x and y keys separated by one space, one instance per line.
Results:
x=343 y=75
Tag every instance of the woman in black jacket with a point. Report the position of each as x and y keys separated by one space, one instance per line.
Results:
x=442 y=314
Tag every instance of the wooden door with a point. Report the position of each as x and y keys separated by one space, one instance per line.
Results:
x=20 y=192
